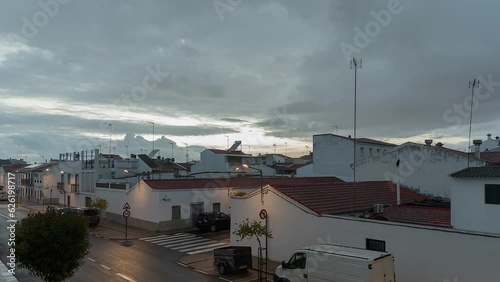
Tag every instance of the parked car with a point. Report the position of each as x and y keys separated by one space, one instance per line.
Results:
x=213 y=221
x=232 y=259
x=93 y=215
x=65 y=210
x=4 y=196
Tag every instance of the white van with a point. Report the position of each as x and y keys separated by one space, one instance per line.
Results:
x=337 y=264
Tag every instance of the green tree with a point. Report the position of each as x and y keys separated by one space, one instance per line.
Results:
x=99 y=203
x=252 y=229
x=51 y=245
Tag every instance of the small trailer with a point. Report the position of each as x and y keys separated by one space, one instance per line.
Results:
x=232 y=259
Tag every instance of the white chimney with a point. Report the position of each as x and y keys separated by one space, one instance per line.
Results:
x=489 y=136
x=428 y=142
x=477 y=149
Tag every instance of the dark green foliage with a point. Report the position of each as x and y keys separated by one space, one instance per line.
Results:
x=251 y=229
x=51 y=245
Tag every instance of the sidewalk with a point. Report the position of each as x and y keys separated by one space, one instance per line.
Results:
x=6 y=276
x=204 y=263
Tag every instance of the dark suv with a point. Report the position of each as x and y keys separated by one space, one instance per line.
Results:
x=93 y=215
x=213 y=221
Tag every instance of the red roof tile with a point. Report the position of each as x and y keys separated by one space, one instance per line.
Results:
x=435 y=216
x=12 y=168
x=338 y=198
x=490 y=156
x=249 y=182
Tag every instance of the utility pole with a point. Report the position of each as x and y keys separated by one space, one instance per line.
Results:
x=187 y=152
x=227 y=138
x=286 y=149
x=472 y=84
x=355 y=64
x=109 y=157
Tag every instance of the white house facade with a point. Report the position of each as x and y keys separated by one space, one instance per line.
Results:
x=422 y=253
x=333 y=154
x=421 y=167
x=475 y=201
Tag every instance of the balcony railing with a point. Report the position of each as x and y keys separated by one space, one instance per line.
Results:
x=75 y=188
x=27 y=182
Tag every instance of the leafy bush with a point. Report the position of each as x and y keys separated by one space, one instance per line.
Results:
x=52 y=245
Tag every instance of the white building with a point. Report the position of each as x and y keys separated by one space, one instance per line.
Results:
x=488 y=144
x=333 y=154
x=423 y=168
x=39 y=183
x=217 y=161
x=475 y=201
x=302 y=216
x=162 y=205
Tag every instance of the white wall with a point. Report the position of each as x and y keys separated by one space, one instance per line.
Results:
x=306 y=171
x=421 y=168
x=422 y=254
x=333 y=155
x=210 y=162
x=468 y=208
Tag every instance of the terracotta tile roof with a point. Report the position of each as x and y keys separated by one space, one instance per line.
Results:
x=248 y=182
x=490 y=156
x=484 y=171
x=337 y=198
x=416 y=214
x=13 y=168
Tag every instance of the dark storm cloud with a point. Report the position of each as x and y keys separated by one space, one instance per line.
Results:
x=276 y=64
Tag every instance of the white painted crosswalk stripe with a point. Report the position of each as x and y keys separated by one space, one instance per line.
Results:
x=205 y=250
x=200 y=240
x=192 y=245
x=201 y=247
x=170 y=238
x=185 y=242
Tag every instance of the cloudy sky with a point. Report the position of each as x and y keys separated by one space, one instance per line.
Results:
x=263 y=72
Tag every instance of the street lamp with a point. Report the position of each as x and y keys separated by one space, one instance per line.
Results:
x=261 y=181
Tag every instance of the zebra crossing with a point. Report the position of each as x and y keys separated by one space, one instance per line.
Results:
x=185 y=243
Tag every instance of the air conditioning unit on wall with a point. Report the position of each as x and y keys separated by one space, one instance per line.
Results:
x=378 y=208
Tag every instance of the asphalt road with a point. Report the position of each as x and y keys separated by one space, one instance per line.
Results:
x=112 y=261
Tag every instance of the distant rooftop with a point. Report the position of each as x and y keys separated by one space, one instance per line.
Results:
x=484 y=171
x=361 y=140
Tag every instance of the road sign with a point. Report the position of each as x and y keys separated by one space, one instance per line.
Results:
x=126 y=206
x=62 y=191
x=126 y=213
x=263 y=214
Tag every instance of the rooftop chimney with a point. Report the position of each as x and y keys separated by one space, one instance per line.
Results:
x=489 y=136
x=477 y=149
x=439 y=144
x=428 y=142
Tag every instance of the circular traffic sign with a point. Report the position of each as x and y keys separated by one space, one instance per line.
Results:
x=263 y=214
x=126 y=213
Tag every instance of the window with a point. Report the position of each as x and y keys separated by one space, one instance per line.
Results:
x=378 y=150
x=216 y=207
x=297 y=261
x=362 y=150
x=370 y=151
x=492 y=194
x=176 y=212
x=375 y=245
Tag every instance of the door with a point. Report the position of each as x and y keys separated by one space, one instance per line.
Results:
x=196 y=210
x=296 y=269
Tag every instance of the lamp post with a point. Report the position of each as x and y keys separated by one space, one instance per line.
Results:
x=261 y=181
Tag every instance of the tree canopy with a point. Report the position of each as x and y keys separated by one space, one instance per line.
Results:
x=52 y=245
